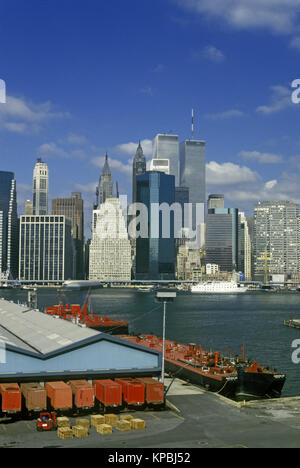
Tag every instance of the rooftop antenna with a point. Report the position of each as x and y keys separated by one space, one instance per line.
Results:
x=117 y=187
x=192 y=124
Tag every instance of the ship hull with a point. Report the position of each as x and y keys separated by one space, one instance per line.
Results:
x=225 y=386
x=255 y=385
x=111 y=330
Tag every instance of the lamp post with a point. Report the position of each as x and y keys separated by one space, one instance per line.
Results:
x=164 y=297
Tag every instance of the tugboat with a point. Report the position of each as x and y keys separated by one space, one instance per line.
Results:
x=233 y=377
x=82 y=316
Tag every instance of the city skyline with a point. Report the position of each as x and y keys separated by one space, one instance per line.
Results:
x=76 y=110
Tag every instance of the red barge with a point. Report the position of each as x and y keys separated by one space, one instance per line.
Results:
x=233 y=377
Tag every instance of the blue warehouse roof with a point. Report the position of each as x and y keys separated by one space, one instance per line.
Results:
x=34 y=344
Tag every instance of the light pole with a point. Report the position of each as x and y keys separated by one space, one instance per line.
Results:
x=164 y=297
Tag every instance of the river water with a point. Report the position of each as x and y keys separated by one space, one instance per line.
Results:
x=216 y=322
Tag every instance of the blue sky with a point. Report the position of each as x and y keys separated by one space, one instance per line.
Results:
x=88 y=77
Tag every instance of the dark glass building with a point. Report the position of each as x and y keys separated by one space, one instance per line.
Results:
x=155 y=254
x=222 y=238
x=8 y=224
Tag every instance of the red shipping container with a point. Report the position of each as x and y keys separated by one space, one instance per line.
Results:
x=133 y=391
x=154 y=390
x=83 y=393
x=11 y=398
x=35 y=396
x=108 y=392
x=60 y=395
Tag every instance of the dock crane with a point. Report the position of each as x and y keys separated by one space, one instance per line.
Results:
x=266 y=259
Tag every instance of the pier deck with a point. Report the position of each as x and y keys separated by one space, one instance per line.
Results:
x=194 y=419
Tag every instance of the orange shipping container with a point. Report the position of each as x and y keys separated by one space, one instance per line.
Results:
x=60 y=395
x=35 y=396
x=154 y=390
x=133 y=391
x=11 y=398
x=83 y=393
x=109 y=393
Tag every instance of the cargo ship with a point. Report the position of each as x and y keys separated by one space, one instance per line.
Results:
x=233 y=377
x=82 y=316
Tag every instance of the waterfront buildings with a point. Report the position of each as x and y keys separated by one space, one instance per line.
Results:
x=188 y=264
x=106 y=186
x=166 y=146
x=222 y=238
x=40 y=188
x=110 y=247
x=276 y=238
x=155 y=249
x=46 y=248
x=72 y=209
x=8 y=224
x=139 y=167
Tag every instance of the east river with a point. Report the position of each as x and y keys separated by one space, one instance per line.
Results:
x=216 y=322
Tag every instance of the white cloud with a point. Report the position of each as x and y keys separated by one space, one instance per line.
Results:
x=51 y=149
x=280 y=100
x=232 y=113
x=213 y=54
x=20 y=115
x=270 y=184
x=114 y=164
x=74 y=139
x=131 y=147
x=264 y=158
x=295 y=43
x=148 y=90
x=229 y=174
x=278 y=16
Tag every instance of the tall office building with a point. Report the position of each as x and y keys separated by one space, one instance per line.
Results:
x=40 y=188
x=155 y=252
x=110 y=248
x=28 y=207
x=222 y=238
x=166 y=146
x=139 y=167
x=46 y=248
x=215 y=201
x=245 y=248
x=8 y=224
x=193 y=176
x=72 y=209
x=105 y=188
x=276 y=233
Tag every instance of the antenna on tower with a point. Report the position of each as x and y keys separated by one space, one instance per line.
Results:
x=192 y=124
x=117 y=187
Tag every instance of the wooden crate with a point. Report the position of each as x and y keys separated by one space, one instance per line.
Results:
x=123 y=426
x=80 y=431
x=126 y=417
x=83 y=422
x=111 y=419
x=138 y=424
x=104 y=429
x=97 y=419
x=65 y=433
x=63 y=422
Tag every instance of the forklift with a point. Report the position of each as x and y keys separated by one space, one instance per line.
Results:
x=46 y=422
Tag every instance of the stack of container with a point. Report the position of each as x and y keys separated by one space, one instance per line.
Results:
x=133 y=391
x=35 y=397
x=83 y=394
x=11 y=398
x=108 y=393
x=59 y=395
x=154 y=391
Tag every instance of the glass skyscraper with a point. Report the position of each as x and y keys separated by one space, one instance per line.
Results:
x=8 y=224
x=192 y=172
x=166 y=146
x=155 y=254
x=222 y=238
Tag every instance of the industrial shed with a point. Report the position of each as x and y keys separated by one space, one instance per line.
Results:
x=36 y=346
